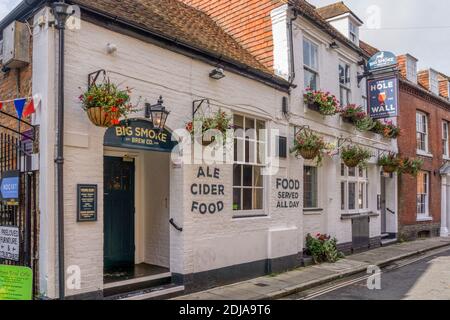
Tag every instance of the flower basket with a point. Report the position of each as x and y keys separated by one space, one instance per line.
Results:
x=309 y=154
x=389 y=169
x=219 y=122
x=391 y=163
x=351 y=163
x=100 y=117
x=105 y=104
x=314 y=106
x=322 y=102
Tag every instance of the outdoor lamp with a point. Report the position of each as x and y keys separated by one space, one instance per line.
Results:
x=334 y=45
x=217 y=74
x=157 y=113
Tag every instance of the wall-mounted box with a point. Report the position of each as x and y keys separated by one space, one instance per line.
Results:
x=16 y=45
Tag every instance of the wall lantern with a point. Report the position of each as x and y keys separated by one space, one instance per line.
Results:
x=217 y=74
x=157 y=113
x=334 y=45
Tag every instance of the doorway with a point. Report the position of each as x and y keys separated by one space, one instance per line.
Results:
x=119 y=219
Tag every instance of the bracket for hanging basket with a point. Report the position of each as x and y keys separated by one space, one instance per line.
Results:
x=93 y=77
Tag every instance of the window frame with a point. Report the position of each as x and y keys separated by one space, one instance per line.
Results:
x=411 y=69
x=424 y=135
x=254 y=138
x=352 y=32
x=317 y=206
x=345 y=86
x=434 y=82
x=362 y=187
x=309 y=67
x=445 y=137
x=426 y=202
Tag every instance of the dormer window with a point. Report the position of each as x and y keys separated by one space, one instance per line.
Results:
x=434 y=82
x=411 y=69
x=353 y=32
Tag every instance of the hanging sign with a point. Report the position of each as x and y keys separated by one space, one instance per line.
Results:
x=87 y=202
x=16 y=283
x=9 y=243
x=383 y=97
x=382 y=60
x=139 y=134
x=10 y=186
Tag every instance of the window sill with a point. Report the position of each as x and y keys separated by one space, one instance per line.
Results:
x=424 y=154
x=446 y=158
x=248 y=215
x=424 y=219
x=348 y=216
x=313 y=211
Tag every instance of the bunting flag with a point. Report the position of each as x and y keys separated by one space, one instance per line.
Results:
x=1 y=105
x=30 y=109
x=19 y=104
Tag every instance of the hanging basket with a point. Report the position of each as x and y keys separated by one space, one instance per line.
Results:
x=389 y=169
x=314 y=106
x=309 y=154
x=100 y=118
x=351 y=163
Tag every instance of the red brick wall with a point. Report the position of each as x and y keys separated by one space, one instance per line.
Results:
x=437 y=112
x=423 y=77
x=443 y=88
x=248 y=21
x=402 y=65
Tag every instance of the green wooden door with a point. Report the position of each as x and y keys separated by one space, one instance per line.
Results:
x=119 y=247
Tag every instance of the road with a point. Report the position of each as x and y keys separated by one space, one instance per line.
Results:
x=426 y=277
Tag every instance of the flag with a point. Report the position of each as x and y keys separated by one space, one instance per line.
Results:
x=30 y=109
x=1 y=105
x=19 y=104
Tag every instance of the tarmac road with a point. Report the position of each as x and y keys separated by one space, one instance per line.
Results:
x=426 y=277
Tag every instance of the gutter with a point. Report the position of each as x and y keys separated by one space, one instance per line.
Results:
x=21 y=12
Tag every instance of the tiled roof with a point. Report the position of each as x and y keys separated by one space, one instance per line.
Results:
x=367 y=48
x=335 y=10
x=176 y=20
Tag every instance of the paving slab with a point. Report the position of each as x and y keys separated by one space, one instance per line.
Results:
x=282 y=285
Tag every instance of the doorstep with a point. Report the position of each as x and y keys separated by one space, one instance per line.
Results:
x=277 y=287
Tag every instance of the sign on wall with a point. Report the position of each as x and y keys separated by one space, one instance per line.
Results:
x=382 y=60
x=10 y=243
x=16 y=283
x=288 y=193
x=139 y=134
x=10 y=186
x=211 y=187
x=383 y=97
x=87 y=202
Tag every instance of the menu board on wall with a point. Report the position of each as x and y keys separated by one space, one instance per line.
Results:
x=87 y=202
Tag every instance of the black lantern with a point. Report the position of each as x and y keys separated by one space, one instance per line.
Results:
x=157 y=113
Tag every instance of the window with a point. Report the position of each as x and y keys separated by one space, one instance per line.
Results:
x=423 y=189
x=445 y=150
x=354 y=189
x=353 y=32
x=344 y=82
x=411 y=69
x=310 y=189
x=249 y=160
x=434 y=82
x=311 y=64
x=422 y=131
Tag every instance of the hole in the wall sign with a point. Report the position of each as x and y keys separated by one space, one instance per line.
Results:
x=209 y=189
x=288 y=193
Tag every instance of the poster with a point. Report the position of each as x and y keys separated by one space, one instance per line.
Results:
x=16 y=283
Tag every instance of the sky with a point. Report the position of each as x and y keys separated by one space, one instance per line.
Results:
x=418 y=27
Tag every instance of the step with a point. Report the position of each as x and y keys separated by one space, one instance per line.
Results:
x=385 y=235
x=156 y=293
x=136 y=284
x=388 y=242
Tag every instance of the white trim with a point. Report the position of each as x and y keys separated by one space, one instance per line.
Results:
x=422 y=218
x=156 y=293
x=137 y=280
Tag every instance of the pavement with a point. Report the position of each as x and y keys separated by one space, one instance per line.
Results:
x=292 y=282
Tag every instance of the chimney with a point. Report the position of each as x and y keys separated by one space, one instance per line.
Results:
x=407 y=64
x=402 y=65
x=424 y=79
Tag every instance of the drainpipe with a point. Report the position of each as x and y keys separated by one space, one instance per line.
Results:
x=60 y=11
x=291 y=48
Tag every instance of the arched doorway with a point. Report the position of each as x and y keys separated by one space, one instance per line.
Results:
x=136 y=203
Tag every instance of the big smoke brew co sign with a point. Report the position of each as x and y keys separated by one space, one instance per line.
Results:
x=383 y=89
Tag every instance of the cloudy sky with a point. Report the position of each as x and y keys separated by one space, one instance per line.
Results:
x=418 y=27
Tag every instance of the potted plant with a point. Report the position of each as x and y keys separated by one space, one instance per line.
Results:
x=219 y=120
x=105 y=104
x=352 y=113
x=323 y=248
x=354 y=156
x=412 y=166
x=322 y=102
x=387 y=129
x=390 y=162
x=310 y=146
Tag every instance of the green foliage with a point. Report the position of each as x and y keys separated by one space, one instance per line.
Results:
x=356 y=155
x=323 y=249
x=328 y=104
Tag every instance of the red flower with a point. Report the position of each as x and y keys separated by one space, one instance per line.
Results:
x=90 y=98
x=115 y=121
x=114 y=109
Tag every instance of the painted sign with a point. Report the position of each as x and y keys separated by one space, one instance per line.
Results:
x=214 y=190
x=16 y=283
x=382 y=60
x=139 y=134
x=383 y=97
x=9 y=186
x=288 y=194
x=87 y=202
x=9 y=243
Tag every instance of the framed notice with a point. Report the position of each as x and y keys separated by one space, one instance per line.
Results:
x=87 y=202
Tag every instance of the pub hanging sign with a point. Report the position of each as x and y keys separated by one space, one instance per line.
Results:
x=139 y=134
x=383 y=97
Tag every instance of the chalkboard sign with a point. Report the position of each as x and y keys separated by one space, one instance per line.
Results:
x=87 y=202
